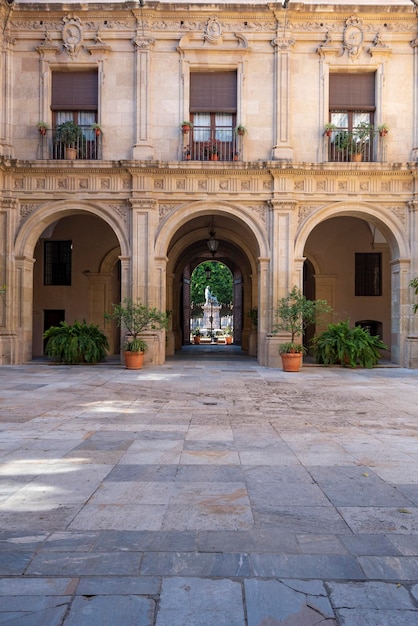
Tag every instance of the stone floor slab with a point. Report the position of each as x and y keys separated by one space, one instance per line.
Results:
x=110 y=610
x=198 y=602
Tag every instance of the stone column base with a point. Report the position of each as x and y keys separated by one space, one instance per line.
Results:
x=411 y=352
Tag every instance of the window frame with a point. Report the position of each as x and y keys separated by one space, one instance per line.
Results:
x=58 y=252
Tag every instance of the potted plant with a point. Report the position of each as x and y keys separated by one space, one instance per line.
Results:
x=212 y=150
x=135 y=318
x=70 y=136
x=228 y=335
x=196 y=336
x=359 y=138
x=293 y=314
x=349 y=347
x=383 y=130
x=76 y=343
x=42 y=128
x=329 y=129
x=97 y=129
x=186 y=127
x=240 y=129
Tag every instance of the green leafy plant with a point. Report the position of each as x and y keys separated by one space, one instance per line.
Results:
x=293 y=314
x=414 y=285
x=76 y=343
x=196 y=332
x=329 y=128
x=240 y=129
x=253 y=315
x=291 y=348
x=348 y=346
x=136 y=317
x=69 y=134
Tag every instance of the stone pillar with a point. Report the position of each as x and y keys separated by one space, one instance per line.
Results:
x=6 y=84
x=143 y=148
x=401 y=312
x=411 y=341
x=282 y=149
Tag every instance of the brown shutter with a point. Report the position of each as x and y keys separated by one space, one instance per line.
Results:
x=74 y=91
x=213 y=92
x=352 y=92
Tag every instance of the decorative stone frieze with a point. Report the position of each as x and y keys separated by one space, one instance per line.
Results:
x=305 y=211
x=27 y=209
x=399 y=212
x=261 y=212
x=121 y=210
x=166 y=209
x=72 y=35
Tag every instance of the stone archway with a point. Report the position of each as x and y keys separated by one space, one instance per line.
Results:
x=89 y=283
x=344 y=230
x=182 y=241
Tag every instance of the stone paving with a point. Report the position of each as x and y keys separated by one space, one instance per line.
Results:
x=208 y=492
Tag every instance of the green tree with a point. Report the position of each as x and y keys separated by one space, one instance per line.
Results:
x=220 y=284
x=414 y=285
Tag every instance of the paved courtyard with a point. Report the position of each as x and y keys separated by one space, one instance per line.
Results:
x=208 y=492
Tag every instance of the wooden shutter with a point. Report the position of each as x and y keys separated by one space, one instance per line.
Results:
x=213 y=92
x=74 y=91
x=352 y=92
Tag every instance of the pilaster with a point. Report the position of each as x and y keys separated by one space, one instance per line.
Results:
x=282 y=149
x=143 y=148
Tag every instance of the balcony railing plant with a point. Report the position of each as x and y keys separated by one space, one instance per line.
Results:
x=221 y=145
x=357 y=144
x=81 y=142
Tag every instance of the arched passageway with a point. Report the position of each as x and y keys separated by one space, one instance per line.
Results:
x=187 y=247
x=358 y=261
x=70 y=257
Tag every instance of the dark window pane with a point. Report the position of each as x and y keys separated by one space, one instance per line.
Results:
x=213 y=91
x=57 y=263
x=351 y=92
x=368 y=274
x=72 y=91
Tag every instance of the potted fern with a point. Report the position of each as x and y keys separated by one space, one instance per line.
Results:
x=348 y=346
x=76 y=343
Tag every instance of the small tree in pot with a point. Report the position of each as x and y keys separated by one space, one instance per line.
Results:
x=293 y=314
x=135 y=318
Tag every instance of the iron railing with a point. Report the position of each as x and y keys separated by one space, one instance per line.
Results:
x=355 y=145
x=219 y=145
x=87 y=145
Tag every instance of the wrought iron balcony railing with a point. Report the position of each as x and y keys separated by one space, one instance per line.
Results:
x=219 y=145
x=362 y=144
x=86 y=146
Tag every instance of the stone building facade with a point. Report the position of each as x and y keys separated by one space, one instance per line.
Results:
x=131 y=214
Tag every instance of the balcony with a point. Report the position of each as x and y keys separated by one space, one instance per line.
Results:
x=218 y=145
x=363 y=143
x=86 y=146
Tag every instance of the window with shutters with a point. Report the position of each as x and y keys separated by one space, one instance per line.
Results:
x=75 y=99
x=368 y=274
x=351 y=108
x=213 y=109
x=57 y=262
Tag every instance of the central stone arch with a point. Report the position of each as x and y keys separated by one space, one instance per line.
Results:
x=181 y=243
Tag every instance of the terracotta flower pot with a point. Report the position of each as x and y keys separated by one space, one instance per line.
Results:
x=134 y=360
x=292 y=361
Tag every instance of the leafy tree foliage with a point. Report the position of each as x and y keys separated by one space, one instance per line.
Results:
x=220 y=284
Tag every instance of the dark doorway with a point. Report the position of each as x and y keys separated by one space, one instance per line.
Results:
x=52 y=317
